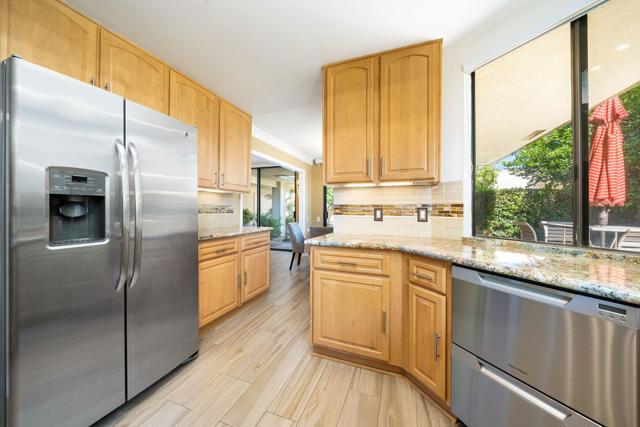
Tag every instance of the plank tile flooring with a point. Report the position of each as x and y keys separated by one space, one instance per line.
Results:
x=256 y=369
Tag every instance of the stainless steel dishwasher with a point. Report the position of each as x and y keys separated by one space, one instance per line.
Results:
x=526 y=355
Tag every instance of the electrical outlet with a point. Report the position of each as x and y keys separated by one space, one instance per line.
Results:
x=377 y=214
x=423 y=214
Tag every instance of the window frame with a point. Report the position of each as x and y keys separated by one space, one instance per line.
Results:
x=580 y=136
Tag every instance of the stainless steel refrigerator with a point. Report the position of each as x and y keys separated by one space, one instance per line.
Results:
x=99 y=232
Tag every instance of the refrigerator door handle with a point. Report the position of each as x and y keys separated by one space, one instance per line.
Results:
x=124 y=189
x=137 y=201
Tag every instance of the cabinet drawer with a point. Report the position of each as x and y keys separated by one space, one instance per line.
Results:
x=217 y=248
x=352 y=261
x=255 y=240
x=429 y=274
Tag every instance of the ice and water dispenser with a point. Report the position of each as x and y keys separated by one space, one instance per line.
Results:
x=76 y=206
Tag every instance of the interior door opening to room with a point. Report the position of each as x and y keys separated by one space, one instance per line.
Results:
x=273 y=200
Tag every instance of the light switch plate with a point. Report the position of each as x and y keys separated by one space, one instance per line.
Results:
x=423 y=214
x=377 y=214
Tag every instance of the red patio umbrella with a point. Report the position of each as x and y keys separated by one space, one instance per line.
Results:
x=607 y=179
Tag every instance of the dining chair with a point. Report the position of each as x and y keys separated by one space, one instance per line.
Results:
x=557 y=232
x=527 y=232
x=630 y=241
x=297 y=242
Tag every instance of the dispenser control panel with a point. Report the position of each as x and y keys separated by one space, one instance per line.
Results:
x=79 y=182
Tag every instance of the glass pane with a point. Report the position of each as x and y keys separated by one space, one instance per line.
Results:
x=250 y=201
x=277 y=203
x=524 y=146
x=329 y=206
x=614 y=130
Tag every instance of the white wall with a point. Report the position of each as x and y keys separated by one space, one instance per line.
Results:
x=509 y=29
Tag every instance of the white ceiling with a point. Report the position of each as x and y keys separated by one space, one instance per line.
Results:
x=266 y=56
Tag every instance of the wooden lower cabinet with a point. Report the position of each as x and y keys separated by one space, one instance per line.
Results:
x=350 y=313
x=229 y=276
x=394 y=318
x=218 y=281
x=255 y=271
x=426 y=344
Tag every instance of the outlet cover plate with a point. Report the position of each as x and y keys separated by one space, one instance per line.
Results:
x=377 y=214
x=423 y=214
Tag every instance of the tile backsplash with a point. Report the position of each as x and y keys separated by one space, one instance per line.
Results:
x=218 y=211
x=353 y=210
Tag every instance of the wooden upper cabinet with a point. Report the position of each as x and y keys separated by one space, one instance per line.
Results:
x=427 y=344
x=351 y=102
x=129 y=71
x=48 y=33
x=350 y=313
x=235 y=148
x=195 y=105
x=410 y=114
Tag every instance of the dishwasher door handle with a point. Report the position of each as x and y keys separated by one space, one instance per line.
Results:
x=515 y=388
x=512 y=287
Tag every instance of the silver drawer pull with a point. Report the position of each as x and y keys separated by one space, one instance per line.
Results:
x=524 y=394
x=436 y=351
x=423 y=276
x=350 y=264
x=220 y=250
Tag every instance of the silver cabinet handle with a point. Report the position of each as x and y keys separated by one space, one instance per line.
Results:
x=368 y=167
x=423 y=276
x=534 y=400
x=124 y=188
x=436 y=351
x=222 y=178
x=137 y=203
x=215 y=178
x=384 y=322
x=381 y=166
x=245 y=277
x=347 y=263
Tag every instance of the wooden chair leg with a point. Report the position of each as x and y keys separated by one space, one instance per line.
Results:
x=293 y=256
x=299 y=256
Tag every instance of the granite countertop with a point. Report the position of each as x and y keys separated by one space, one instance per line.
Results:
x=221 y=233
x=600 y=273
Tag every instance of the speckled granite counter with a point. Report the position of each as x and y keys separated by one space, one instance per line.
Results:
x=221 y=233
x=598 y=273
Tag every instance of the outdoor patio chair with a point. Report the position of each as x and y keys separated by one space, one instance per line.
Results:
x=527 y=233
x=630 y=241
x=556 y=232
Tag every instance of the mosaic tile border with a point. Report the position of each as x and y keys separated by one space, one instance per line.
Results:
x=449 y=210
x=215 y=209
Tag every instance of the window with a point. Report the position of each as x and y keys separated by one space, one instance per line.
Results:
x=328 y=206
x=530 y=127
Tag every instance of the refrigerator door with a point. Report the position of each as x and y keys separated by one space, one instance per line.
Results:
x=162 y=291
x=66 y=317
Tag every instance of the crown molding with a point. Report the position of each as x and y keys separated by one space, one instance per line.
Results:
x=280 y=145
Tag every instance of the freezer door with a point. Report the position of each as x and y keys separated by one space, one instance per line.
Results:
x=162 y=291
x=66 y=317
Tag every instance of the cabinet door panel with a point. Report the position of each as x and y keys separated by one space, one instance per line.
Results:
x=351 y=100
x=410 y=114
x=255 y=270
x=235 y=148
x=427 y=338
x=195 y=105
x=50 y=34
x=218 y=288
x=132 y=73
x=350 y=313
